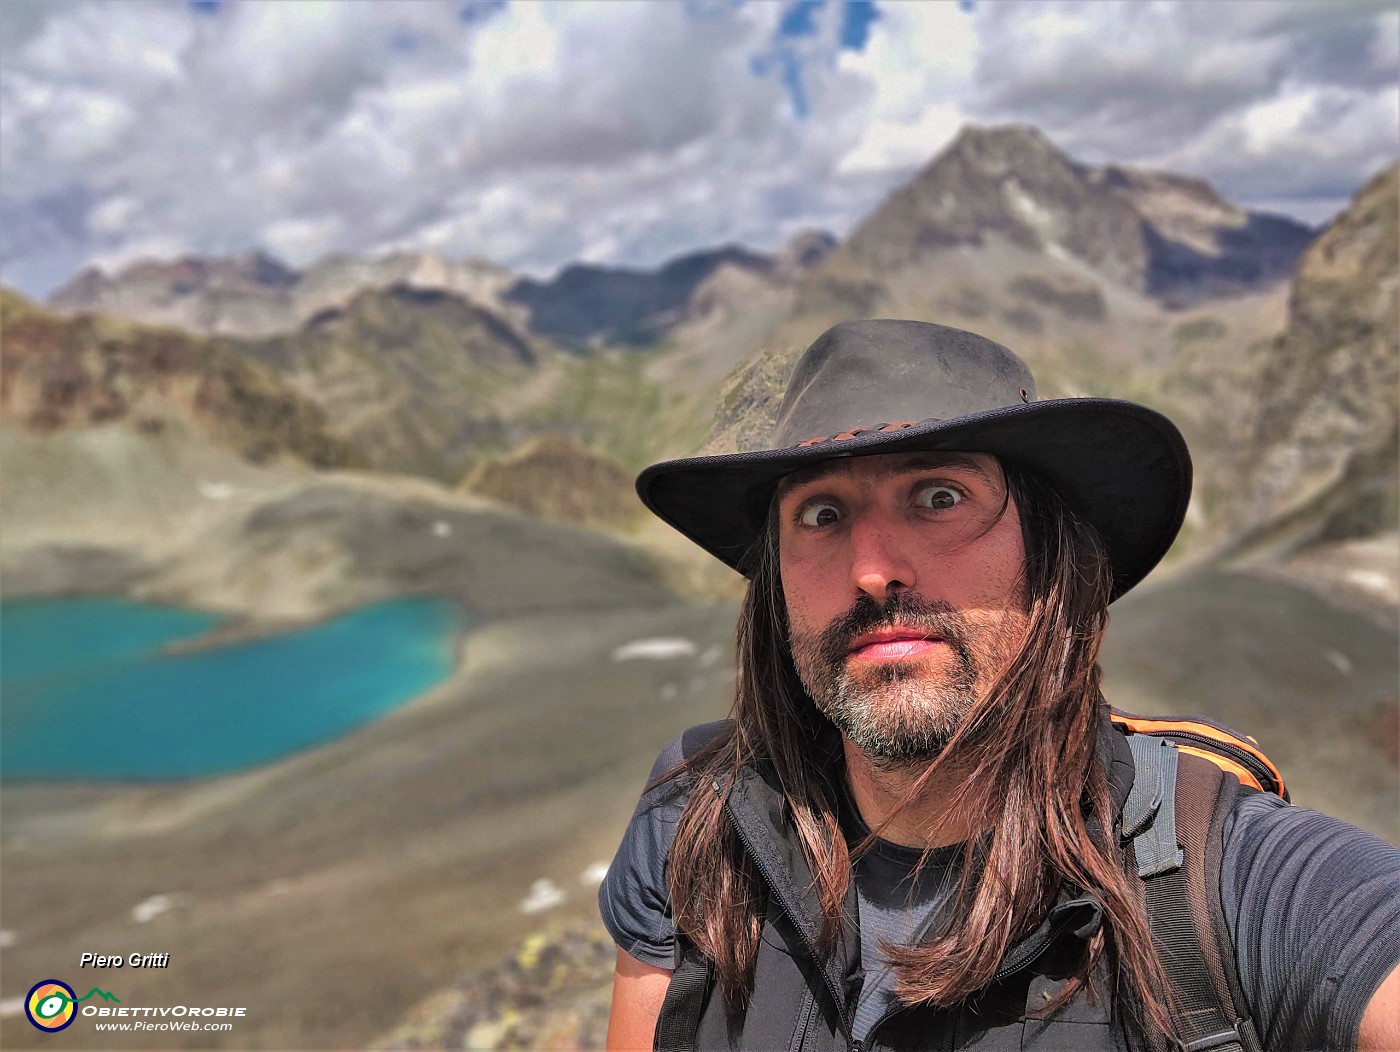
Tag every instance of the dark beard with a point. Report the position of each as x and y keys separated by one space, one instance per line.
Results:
x=899 y=713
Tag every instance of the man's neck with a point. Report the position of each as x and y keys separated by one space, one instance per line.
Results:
x=937 y=817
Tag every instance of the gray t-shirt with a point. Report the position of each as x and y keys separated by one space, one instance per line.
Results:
x=1312 y=904
x=897 y=903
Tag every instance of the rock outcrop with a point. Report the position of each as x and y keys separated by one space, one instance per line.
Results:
x=1322 y=453
x=557 y=477
x=554 y=991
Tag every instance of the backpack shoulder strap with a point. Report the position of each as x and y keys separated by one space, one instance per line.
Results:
x=1174 y=817
x=691 y=980
x=686 y=996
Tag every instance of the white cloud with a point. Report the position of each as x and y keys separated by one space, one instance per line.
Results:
x=1233 y=92
x=628 y=132
x=140 y=46
x=920 y=67
x=304 y=238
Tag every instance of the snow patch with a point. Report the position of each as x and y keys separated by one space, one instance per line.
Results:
x=544 y=895
x=593 y=875
x=215 y=490
x=150 y=909
x=1339 y=661
x=1371 y=580
x=658 y=648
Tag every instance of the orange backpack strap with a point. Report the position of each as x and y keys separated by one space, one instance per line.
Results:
x=1228 y=749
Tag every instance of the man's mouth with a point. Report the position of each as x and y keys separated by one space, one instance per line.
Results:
x=893 y=644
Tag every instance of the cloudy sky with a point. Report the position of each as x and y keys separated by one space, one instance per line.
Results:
x=535 y=133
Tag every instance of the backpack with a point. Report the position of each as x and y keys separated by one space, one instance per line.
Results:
x=1187 y=775
x=1188 y=771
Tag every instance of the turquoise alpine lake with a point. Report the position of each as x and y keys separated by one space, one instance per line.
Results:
x=88 y=689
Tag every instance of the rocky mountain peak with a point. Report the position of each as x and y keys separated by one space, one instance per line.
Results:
x=1007 y=149
x=1169 y=236
x=162 y=282
x=1010 y=184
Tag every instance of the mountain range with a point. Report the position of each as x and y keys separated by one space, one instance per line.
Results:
x=1166 y=236
x=431 y=366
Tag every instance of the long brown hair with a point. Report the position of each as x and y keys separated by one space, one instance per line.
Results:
x=1029 y=743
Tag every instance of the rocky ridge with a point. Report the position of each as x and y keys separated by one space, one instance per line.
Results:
x=64 y=373
x=583 y=306
x=417 y=376
x=590 y=306
x=255 y=295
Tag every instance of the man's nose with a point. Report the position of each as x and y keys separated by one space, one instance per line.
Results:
x=880 y=562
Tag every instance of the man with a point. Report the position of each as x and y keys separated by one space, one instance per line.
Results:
x=911 y=833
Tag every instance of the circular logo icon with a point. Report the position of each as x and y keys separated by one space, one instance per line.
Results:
x=50 y=1006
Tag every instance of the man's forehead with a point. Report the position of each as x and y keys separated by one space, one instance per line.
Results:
x=885 y=464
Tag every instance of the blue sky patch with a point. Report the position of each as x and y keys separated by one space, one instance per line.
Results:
x=788 y=66
x=791 y=72
x=479 y=10
x=857 y=16
x=800 y=20
x=206 y=7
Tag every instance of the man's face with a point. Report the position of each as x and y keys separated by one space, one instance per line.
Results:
x=904 y=581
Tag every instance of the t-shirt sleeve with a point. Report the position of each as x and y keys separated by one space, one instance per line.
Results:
x=633 y=899
x=1313 y=906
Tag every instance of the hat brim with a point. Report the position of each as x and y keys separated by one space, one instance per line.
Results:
x=1122 y=467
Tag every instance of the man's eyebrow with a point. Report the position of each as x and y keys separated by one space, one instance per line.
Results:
x=911 y=463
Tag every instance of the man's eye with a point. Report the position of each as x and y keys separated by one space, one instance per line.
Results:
x=938 y=497
x=819 y=515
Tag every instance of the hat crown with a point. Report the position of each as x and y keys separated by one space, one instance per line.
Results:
x=863 y=374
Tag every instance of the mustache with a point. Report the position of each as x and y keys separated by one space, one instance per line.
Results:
x=900 y=609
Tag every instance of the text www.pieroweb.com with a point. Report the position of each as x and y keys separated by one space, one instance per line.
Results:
x=174 y=1024
x=195 y=1018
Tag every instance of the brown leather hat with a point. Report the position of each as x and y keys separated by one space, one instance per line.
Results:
x=869 y=387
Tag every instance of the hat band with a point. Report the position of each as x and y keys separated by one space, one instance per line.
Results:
x=860 y=430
